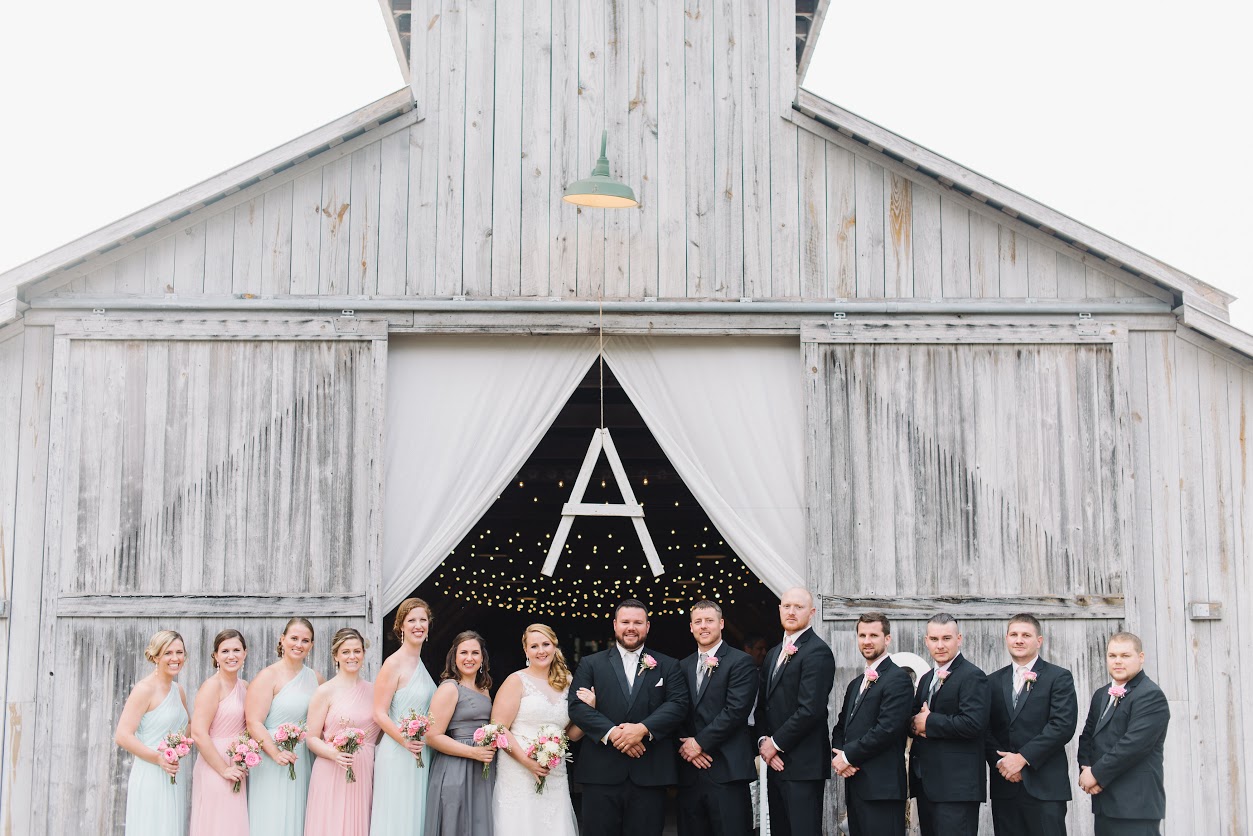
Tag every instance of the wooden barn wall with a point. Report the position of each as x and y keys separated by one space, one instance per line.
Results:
x=740 y=197
x=12 y=342
x=980 y=479
x=1190 y=410
x=194 y=484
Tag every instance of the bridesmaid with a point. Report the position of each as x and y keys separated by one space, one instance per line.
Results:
x=458 y=800
x=217 y=720
x=156 y=706
x=336 y=807
x=402 y=685
x=280 y=694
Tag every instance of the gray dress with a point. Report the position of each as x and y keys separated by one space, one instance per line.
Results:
x=458 y=797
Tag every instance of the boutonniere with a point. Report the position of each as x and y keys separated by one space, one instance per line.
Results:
x=1117 y=692
x=1029 y=678
x=872 y=676
x=646 y=663
x=942 y=676
x=711 y=664
x=789 y=650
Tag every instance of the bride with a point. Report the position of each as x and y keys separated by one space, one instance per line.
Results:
x=532 y=697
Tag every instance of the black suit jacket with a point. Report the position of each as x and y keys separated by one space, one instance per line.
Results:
x=873 y=736
x=792 y=708
x=718 y=717
x=1126 y=751
x=658 y=699
x=949 y=760
x=1039 y=729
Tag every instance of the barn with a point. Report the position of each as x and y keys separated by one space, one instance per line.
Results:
x=320 y=381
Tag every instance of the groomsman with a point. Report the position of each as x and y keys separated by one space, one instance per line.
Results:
x=628 y=759
x=717 y=745
x=792 y=719
x=868 y=740
x=946 y=769
x=1034 y=714
x=1121 y=748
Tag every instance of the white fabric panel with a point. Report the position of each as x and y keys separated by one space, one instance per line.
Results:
x=729 y=415
x=463 y=415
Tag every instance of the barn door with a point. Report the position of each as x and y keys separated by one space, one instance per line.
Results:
x=974 y=469
x=203 y=475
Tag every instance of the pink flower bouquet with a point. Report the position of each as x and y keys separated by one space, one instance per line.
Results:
x=413 y=726
x=348 y=740
x=244 y=753
x=551 y=747
x=287 y=737
x=174 y=748
x=491 y=734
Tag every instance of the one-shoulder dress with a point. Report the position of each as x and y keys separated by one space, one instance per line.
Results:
x=459 y=798
x=154 y=806
x=276 y=804
x=399 y=783
x=216 y=810
x=336 y=807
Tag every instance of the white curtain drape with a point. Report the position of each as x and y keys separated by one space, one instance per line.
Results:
x=463 y=415
x=729 y=415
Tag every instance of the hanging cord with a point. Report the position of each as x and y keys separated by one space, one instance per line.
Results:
x=600 y=358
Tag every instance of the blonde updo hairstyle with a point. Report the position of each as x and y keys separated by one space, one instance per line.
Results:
x=159 y=642
x=402 y=612
x=294 y=620
x=558 y=672
x=344 y=635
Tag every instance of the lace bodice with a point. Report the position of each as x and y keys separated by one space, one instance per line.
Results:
x=536 y=709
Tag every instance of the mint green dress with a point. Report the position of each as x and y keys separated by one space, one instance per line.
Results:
x=154 y=806
x=276 y=803
x=399 y=783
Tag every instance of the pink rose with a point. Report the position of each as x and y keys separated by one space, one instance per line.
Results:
x=170 y=756
x=1117 y=692
x=501 y=741
x=872 y=675
x=479 y=734
x=711 y=662
x=280 y=735
x=942 y=675
x=789 y=649
x=252 y=759
x=183 y=750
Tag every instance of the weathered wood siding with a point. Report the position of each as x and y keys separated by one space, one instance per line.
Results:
x=194 y=484
x=740 y=196
x=11 y=355
x=976 y=475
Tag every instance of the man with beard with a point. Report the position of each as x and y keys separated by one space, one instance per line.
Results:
x=717 y=746
x=628 y=759
x=792 y=719
x=868 y=740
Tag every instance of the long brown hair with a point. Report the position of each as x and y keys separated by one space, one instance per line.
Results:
x=558 y=672
x=482 y=680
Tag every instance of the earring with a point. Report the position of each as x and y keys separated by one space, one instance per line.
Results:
x=528 y=663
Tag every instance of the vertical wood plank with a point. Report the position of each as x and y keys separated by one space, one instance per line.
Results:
x=306 y=249
x=509 y=86
x=480 y=117
x=898 y=277
x=1041 y=271
x=870 y=236
x=841 y=232
x=334 y=227
x=159 y=266
x=451 y=149
x=955 y=246
x=699 y=58
x=784 y=211
x=130 y=273
x=1014 y=267
x=247 y=255
x=1071 y=278
x=189 y=255
x=393 y=215
x=426 y=53
x=928 y=245
x=617 y=265
x=672 y=267
x=535 y=148
x=642 y=129
x=363 y=220
x=812 y=163
x=563 y=219
x=219 y=253
x=276 y=241
x=728 y=150
x=985 y=259
x=1099 y=285
x=757 y=121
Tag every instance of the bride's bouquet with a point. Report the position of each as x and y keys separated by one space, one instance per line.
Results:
x=551 y=747
x=494 y=735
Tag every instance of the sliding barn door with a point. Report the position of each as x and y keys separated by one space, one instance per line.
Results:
x=202 y=475
x=974 y=469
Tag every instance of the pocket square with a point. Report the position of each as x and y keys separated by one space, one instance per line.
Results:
x=660 y=682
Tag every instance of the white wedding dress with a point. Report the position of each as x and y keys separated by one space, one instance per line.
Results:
x=517 y=810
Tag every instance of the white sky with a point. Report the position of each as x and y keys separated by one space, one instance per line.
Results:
x=1134 y=118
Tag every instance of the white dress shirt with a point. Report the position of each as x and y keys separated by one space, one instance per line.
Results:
x=1019 y=670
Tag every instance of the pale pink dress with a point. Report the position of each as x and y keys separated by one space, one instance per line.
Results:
x=215 y=809
x=336 y=807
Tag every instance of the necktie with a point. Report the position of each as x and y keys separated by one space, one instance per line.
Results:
x=630 y=663
x=702 y=672
x=1017 y=685
x=935 y=685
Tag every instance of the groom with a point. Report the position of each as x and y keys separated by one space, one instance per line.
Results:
x=628 y=758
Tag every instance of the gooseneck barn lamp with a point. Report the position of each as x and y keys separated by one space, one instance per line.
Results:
x=600 y=191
